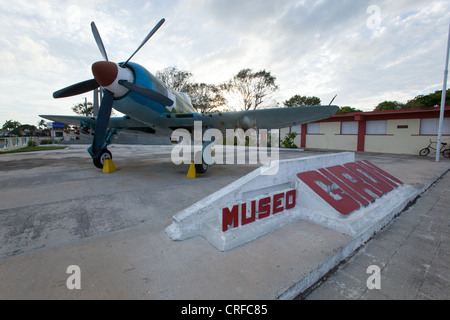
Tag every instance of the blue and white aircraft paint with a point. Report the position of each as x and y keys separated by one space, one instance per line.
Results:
x=150 y=106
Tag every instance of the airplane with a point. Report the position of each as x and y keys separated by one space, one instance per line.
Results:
x=150 y=106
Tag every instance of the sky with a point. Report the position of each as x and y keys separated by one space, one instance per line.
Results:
x=364 y=51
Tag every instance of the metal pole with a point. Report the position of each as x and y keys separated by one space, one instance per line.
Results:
x=95 y=102
x=444 y=96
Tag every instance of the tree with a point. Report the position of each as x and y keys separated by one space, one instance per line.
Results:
x=41 y=124
x=84 y=109
x=15 y=128
x=288 y=141
x=11 y=125
x=348 y=109
x=428 y=101
x=300 y=101
x=175 y=79
x=252 y=88
x=421 y=101
x=28 y=129
x=206 y=97
x=389 y=105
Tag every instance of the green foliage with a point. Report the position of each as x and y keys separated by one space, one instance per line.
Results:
x=15 y=128
x=428 y=101
x=46 y=141
x=288 y=141
x=17 y=132
x=389 y=105
x=421 y=101
x=28 y=127
x=84 y=109
x=348 y=109
x=11 y=125
x=32 y=143
x=301 y=101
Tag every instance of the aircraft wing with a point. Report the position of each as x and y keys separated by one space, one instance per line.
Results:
x=114 y=122
x=275 y=118
x=283 y=117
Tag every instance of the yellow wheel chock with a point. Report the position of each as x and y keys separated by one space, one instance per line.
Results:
x=108 y=166
x=192 y=173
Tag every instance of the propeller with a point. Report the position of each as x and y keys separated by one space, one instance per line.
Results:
x=101 y=125
x=99 y=41
x=105 y=73
x=151 y=33
x=89 y=85
x=76 y=89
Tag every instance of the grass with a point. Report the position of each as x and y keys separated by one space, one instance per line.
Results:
x=32 y=149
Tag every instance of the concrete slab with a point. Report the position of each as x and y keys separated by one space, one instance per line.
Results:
x=57 y=210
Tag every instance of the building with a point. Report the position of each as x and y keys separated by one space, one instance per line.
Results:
x=405 y=131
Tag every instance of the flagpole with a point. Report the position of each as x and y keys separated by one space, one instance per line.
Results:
x=444 y=95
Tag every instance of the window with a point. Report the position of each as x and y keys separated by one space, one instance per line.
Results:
x=349 y=127
x=376 y=127
x=297 y=129
x=313 y=128
x=431 y=126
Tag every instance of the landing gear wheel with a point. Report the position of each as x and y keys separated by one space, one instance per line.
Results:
x=424 y=152
x=105 y=154
x=201 y=168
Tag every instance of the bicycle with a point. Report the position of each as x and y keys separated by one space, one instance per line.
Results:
x=426 y=151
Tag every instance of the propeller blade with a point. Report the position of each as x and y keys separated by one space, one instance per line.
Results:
x=102 y=122
x=146 y=39
x=147 y=93
x=99 y=41
x=76 y=89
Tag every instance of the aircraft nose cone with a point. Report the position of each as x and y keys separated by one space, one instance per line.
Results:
x=105 y=72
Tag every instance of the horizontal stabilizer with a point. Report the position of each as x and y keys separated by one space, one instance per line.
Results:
x=114 y=122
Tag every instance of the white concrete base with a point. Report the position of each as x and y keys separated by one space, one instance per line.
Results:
x=204 y=218
x=318 y=211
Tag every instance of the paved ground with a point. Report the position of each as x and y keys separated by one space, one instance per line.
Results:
x=413 y=254
x=57 y=210
x=54 y=197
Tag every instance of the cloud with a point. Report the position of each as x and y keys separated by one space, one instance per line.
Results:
x=319 y=48
x=323 y=47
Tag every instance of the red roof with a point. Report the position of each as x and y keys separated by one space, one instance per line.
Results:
x=369 y=113
x=408 y=113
